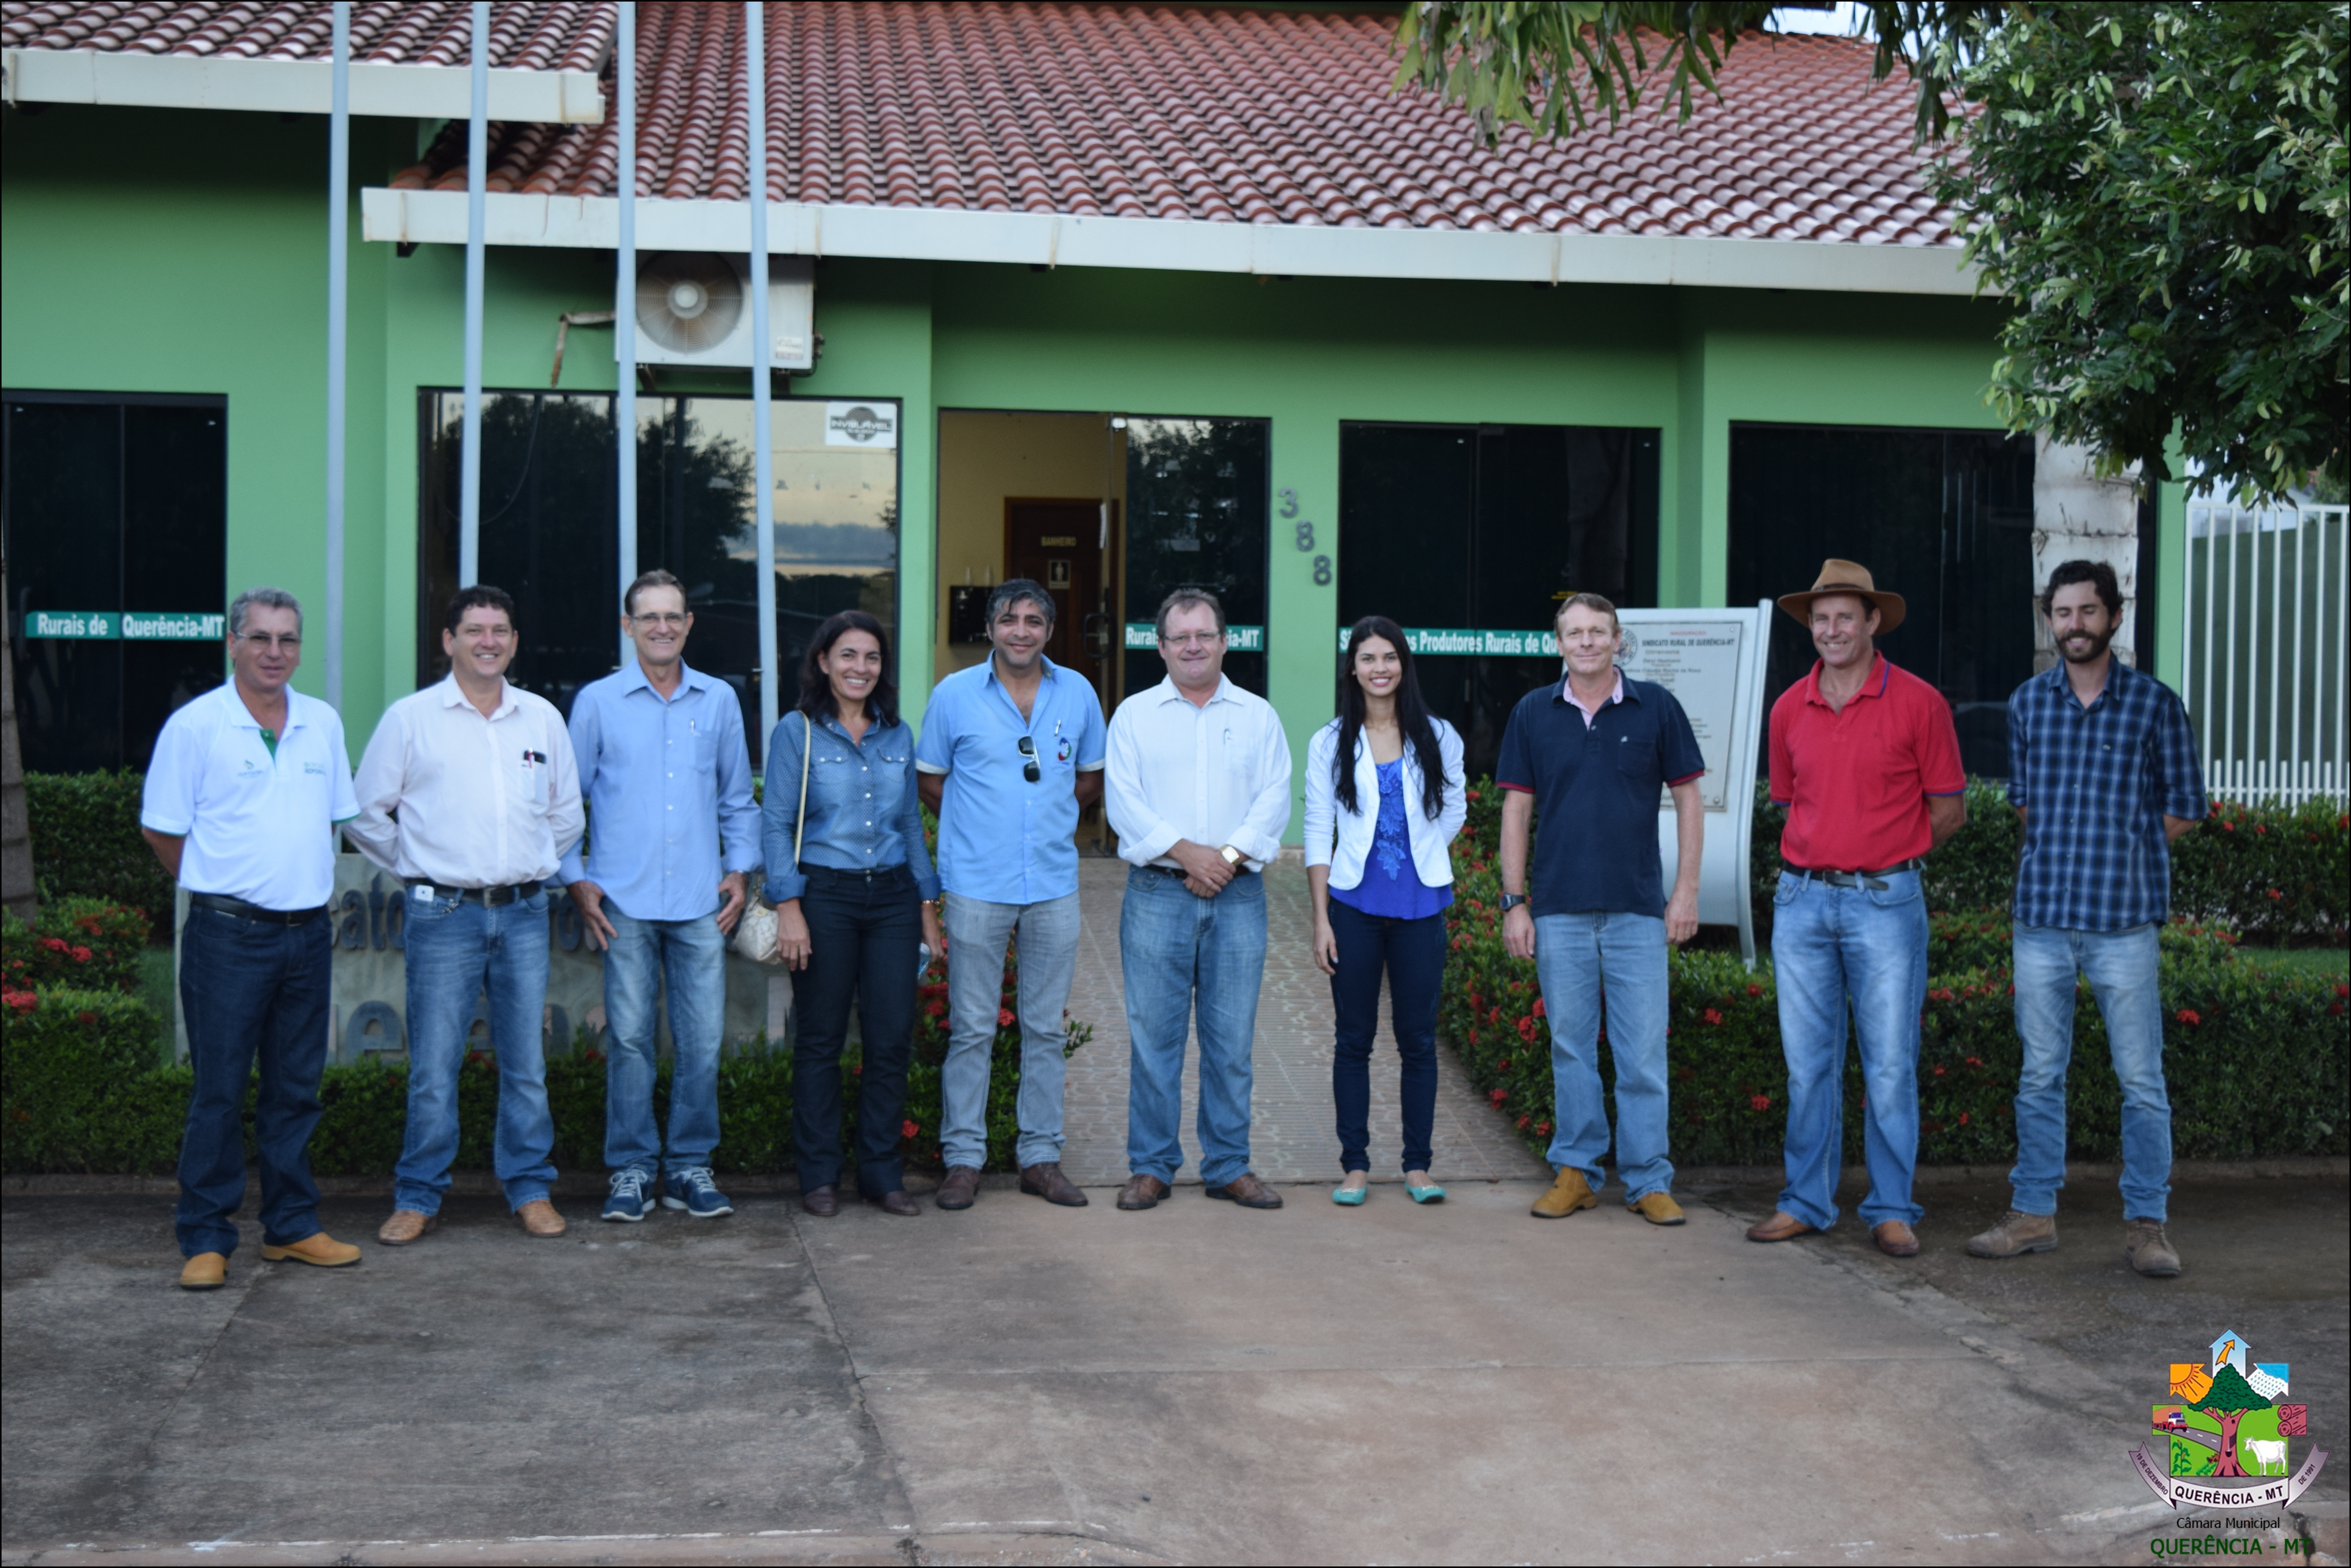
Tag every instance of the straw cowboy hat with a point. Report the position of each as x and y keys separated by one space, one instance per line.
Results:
x=1846 y=577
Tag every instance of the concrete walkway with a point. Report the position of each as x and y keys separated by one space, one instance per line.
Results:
x=1291 y=1137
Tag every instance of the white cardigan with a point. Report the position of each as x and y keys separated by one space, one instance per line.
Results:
x=1353 y=830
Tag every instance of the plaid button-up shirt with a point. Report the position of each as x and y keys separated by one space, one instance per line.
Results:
x=2096 y=783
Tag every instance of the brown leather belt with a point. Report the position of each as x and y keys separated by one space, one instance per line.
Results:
x=1858 y=878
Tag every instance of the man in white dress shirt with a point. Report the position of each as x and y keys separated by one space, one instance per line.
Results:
x=487 y=795
x=1199 y=792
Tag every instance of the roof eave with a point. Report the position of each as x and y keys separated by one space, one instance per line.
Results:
x=1061 y=239
x=293 y=87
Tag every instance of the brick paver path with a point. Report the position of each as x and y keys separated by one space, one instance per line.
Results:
x=1290 y=1131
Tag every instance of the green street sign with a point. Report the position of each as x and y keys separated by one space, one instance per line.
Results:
x=131 y=626
x=1142 y=634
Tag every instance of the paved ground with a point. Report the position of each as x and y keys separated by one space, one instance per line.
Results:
x=1291 y=1133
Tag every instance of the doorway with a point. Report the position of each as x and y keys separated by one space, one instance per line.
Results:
x=1068 y=545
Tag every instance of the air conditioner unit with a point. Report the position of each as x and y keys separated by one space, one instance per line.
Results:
x=694 y=308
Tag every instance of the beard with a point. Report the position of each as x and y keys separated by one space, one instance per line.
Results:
x=2083 y=647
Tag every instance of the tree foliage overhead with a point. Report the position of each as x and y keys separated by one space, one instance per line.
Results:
x=2160 y=188
x=2230 y=1393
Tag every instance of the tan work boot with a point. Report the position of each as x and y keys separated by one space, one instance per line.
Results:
x=318 y=1249
x=540 y=1220
x=1658 y=1208
x=1568 y=1194
x=204 y=1271
x=406 y=1226
x=2016 y=1234
x=2147 y=1249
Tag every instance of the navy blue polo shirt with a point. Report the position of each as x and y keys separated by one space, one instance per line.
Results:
x=1596 y=790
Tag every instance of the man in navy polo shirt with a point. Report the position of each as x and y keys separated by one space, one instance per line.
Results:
x=242 y=797
x=1590 y=754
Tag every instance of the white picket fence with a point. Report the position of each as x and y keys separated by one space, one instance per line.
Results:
x=2267 y=592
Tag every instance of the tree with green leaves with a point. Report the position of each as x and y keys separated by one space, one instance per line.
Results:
x=2229 y=1401
x=2159 y=187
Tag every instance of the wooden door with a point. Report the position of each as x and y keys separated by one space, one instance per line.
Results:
x=1059 y=543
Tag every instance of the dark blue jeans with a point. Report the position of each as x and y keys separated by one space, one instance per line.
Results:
x=251 y=989
x=1413 y=953
x=864 y=935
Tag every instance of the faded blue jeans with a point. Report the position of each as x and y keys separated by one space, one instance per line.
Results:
x=976 y=932
x=456 y=949
x=1865 y=947
x=1576 y=956
x=1179 y=952
x=2121 y=968
x=692 y=955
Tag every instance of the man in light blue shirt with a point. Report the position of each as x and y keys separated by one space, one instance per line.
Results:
x=1011 y=751
x=673 y=832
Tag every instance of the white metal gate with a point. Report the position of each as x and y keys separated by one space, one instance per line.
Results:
x=2263 y=649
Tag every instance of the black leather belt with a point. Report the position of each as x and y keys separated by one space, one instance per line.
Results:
x=490 y=897
x=1871 y=879
x=225 y=905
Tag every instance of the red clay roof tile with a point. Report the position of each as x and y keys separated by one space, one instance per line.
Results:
x=527 y=35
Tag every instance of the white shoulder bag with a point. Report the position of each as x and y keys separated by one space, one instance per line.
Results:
x=755 y=933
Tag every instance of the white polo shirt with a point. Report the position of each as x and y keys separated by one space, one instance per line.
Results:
x=259 y=825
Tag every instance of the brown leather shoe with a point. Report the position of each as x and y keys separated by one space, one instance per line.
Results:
x=1782 y=1226
x=824 y=1202
x=1046 y=1181
x=1895 y=1239
x=960 y=1189
x=539 y=1221
x=318 y=1249
x=893 y=1203
x=1247 y=1191
x=204 y=1271
x=406 y=1225
x=1142 y=1192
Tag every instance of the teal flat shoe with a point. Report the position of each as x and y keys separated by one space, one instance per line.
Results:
x=1350 y=1196
x=1432 y=1193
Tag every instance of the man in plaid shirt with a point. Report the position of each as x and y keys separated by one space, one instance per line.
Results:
x=2101 y=769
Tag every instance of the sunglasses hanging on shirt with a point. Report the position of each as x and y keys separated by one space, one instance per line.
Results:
x=1029 y=768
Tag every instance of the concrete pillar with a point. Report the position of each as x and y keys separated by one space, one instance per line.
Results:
x=2078 y=515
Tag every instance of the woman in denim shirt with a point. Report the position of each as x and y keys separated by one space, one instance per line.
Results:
x=850 y=911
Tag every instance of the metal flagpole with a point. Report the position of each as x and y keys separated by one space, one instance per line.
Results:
x=338 y=266
x=625 y=301
x=478 y=174
x=763 y=509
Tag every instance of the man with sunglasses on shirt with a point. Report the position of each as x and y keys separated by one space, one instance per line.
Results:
x=1011 y=751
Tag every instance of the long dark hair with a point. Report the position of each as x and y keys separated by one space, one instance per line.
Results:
x=816 y=687
x=1412 y=718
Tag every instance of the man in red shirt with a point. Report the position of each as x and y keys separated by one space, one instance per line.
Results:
x=1866 y=761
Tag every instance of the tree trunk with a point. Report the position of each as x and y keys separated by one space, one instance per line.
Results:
x=17 y=893
x=2229 y=1420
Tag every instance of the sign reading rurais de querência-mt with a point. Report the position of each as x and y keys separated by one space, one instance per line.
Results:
x=126 y=625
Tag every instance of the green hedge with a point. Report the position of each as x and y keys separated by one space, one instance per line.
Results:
x=80 y=1097
x=85 y=944
x=86 y=842
x=2257 y=1057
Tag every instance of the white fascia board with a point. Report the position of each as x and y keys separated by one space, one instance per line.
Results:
x=1050 y=239
x=293 y=87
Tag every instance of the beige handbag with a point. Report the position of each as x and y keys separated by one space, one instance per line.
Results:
x=755 y=933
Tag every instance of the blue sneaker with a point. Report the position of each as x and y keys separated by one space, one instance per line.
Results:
x=693 y=1191
x=627 y=1203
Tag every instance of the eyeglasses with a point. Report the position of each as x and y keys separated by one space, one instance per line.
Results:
x=1195 y=640
x=667 y=620
x=1028 y=769
x=262 y=642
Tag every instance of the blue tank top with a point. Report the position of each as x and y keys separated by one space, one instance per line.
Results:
x=1391 y=887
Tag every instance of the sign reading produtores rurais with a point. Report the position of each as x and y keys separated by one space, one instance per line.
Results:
x=127 y=626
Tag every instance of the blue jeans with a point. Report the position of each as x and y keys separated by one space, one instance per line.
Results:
x=2121 y=968
x=692 y=955
x=976 y=931
x=1177 y=952
x=250 y=989
x=1413 y=953
x=1578 y=958
x=865 y=933
x=1866 y=945
x=456 y=949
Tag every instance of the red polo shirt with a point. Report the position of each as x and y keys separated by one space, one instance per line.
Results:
x=1856 y=783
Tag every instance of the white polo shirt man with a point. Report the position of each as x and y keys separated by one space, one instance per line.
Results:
x=257 y=811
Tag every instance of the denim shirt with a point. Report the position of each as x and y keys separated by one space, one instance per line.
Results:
x=863 y=812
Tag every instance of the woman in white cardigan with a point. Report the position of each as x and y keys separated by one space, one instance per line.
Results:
x=1384 y=795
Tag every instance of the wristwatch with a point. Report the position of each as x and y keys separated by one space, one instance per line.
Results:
x=1511 y=901
x=1232 y=856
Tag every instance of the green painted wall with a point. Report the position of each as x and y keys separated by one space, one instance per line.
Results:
x=186 y=252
